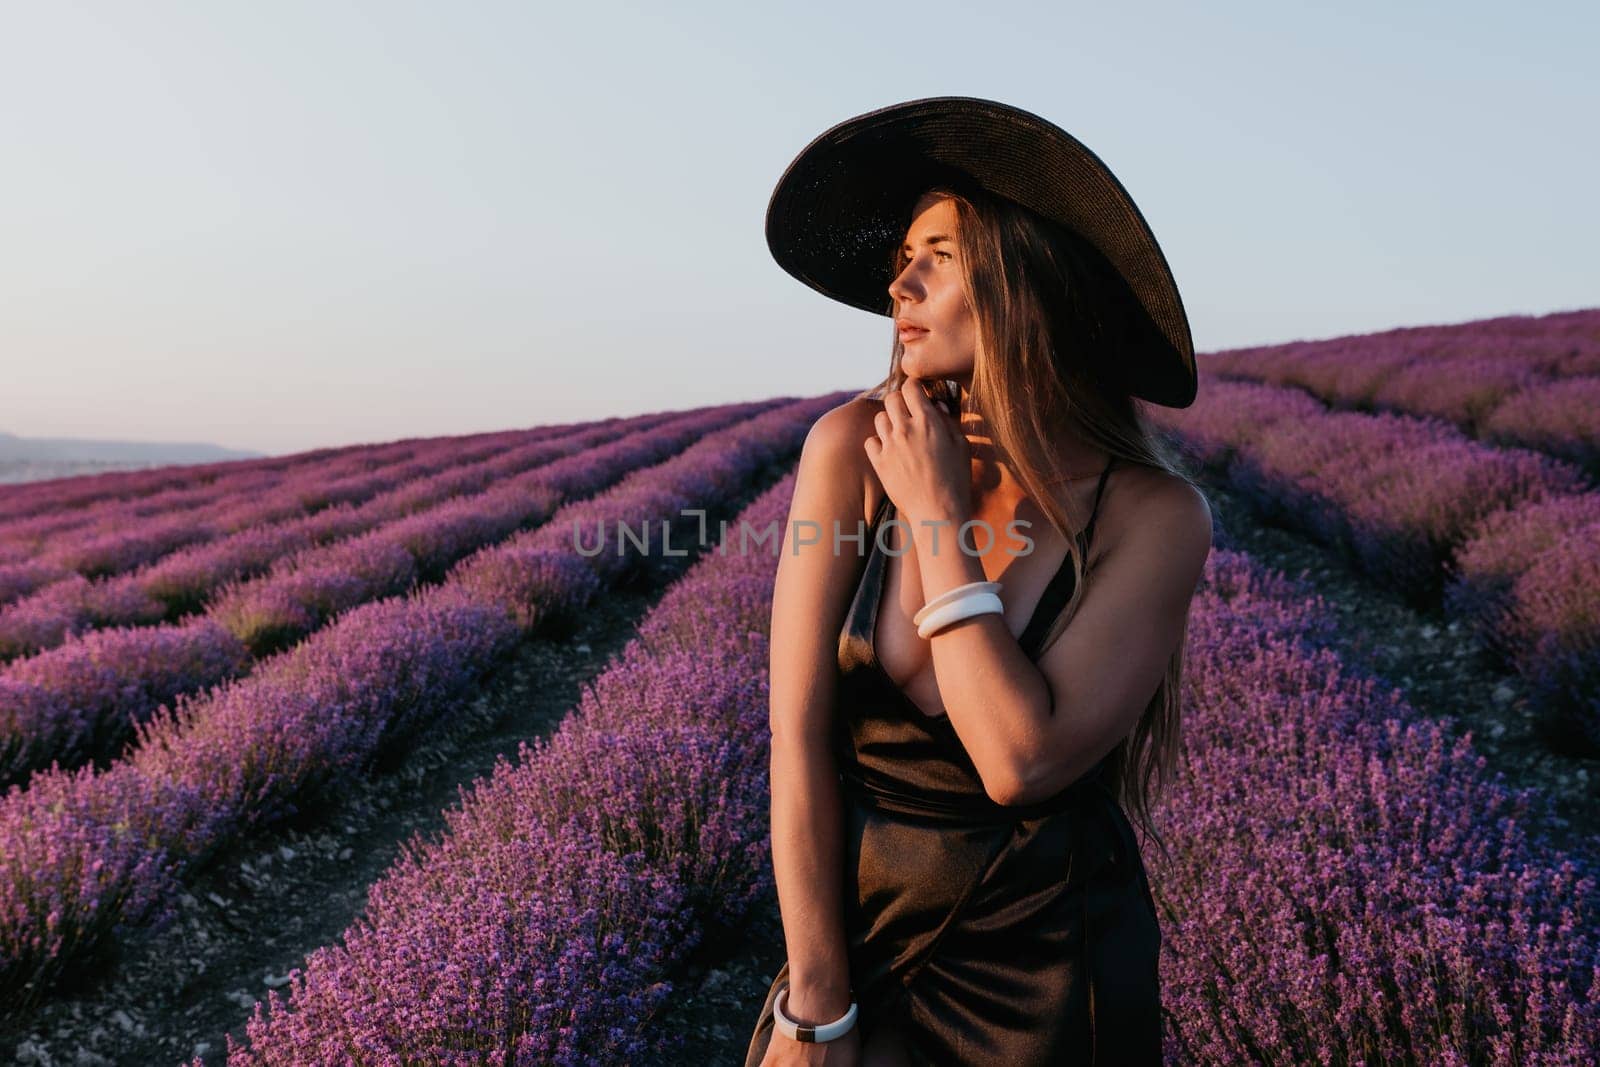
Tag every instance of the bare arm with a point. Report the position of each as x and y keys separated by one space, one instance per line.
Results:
x=1034 y=730
x=811 y=594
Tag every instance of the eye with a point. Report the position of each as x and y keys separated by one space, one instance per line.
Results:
x=946 y=255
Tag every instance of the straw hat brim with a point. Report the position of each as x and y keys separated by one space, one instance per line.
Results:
x=845 y=203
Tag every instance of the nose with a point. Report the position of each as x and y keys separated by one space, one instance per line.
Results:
x=905 y=286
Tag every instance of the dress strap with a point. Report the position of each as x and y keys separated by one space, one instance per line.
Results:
x=1059 y=591
x=1094 y=509
x=855 y=638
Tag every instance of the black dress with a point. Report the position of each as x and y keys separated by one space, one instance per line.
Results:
x=991 y=934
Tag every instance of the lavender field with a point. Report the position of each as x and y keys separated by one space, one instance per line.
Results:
x=313 y=760
x=1514 y=380
x=1499 y=532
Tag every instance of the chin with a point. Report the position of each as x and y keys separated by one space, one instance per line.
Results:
x=912 y=363
x=921 y=369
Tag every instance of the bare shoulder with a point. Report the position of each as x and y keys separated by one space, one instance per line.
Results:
x=833 y=450
x=1154 y=512
x=841 y=425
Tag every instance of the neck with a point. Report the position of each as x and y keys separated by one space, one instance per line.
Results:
x=1078 y=458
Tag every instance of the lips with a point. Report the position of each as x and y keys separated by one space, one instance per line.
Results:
x=909 y=331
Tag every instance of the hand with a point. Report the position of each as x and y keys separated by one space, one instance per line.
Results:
x=922 y=458
x=840 y=1052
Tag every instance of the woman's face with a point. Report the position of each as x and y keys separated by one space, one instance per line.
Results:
x=928 y=294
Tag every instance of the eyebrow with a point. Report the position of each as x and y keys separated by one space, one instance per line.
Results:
x=932 y=239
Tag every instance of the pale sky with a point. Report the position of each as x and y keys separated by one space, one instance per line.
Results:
x=279 y=226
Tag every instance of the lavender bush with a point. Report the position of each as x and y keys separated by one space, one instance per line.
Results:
x=1353 y=887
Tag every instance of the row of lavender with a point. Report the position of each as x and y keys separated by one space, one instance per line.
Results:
x=88 y=495
x=85 y=856
x=1516 y=380
x=1352 y=887
x=1506 y=539
x=322 y=479
x=22 y=570
x=180 y=553
x=1347 y=886
x=171 y=585
x=81 y=701
x=90 y=491
x=68 y=538
x=173 y=581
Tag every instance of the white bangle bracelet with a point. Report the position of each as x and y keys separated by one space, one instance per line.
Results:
x=955 y=611
x=953 y=594
x=800 y=1031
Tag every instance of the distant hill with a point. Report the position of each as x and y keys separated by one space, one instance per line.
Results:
x=30 y=459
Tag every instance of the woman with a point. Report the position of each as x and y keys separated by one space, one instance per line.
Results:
x=951 y=763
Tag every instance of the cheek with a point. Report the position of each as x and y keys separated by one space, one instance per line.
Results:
x=962 y=323
x=954 y=313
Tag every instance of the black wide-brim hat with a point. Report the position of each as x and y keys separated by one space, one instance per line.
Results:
x=845 y=203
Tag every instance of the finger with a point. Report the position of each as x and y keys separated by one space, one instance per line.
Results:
x=882 y=424
x=915 y=397
x=894 y=406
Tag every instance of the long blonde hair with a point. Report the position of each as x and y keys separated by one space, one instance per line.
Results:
x=1053 y=322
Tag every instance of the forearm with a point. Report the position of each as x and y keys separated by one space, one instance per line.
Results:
x=807 y=854
x=997 y=700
